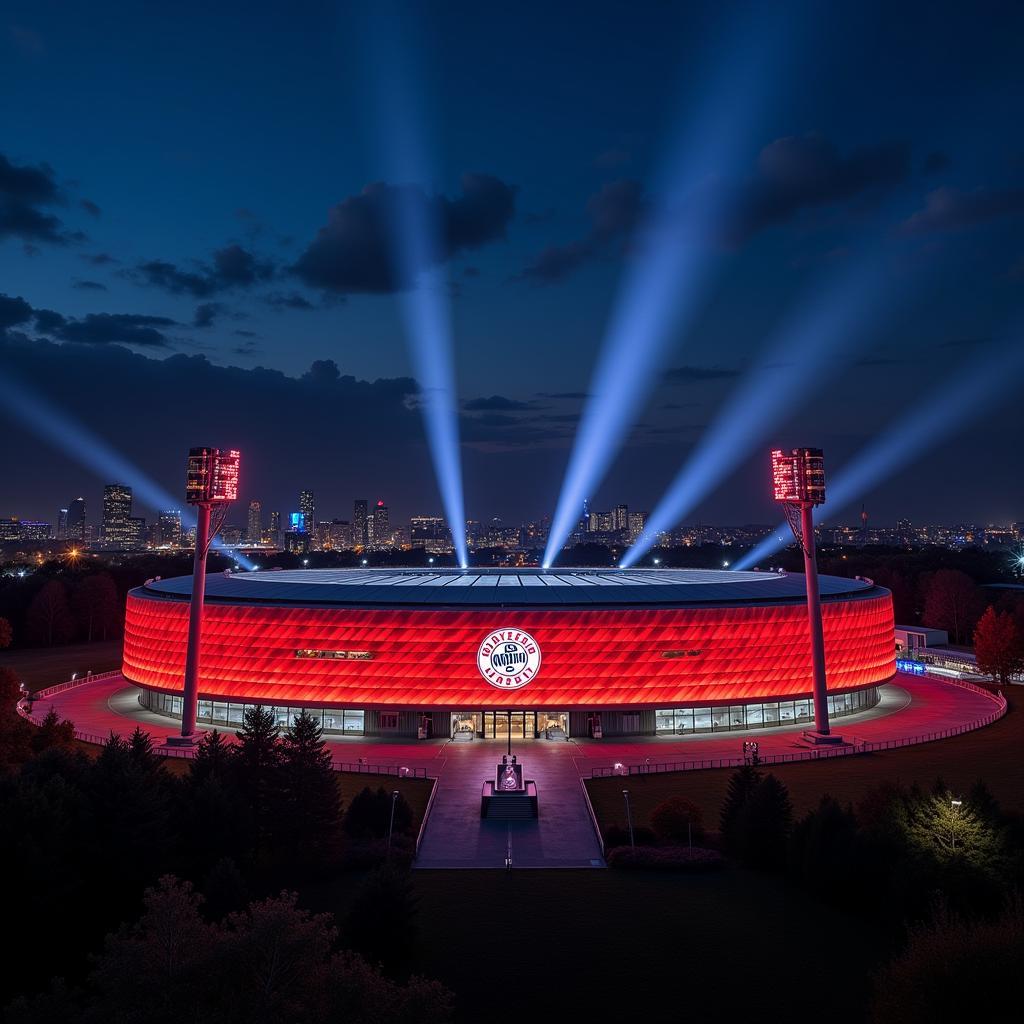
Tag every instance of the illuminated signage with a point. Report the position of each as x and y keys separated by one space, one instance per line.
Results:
x=212 y=476
x=508 y=658
x=798 y=478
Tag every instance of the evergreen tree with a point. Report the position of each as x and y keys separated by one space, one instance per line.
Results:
x=742 y=783
x=212 y=758
x=382 y=921
x=761 y=830
x=52 y=732
x=307 y=819
x=255 y=766
x=369 y=814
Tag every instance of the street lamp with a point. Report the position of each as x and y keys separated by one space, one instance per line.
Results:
x=211 y=483
x=956 y=805
x=629 y=819
x=391 y=823
x=798 y=481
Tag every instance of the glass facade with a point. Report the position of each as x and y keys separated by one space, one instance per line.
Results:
x=345 y=721
x=686 y=721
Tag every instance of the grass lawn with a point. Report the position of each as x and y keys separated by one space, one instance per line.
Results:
x=602 y=946
x=38 y=667
x=992 y=754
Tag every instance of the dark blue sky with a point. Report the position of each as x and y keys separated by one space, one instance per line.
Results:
x=208 y=184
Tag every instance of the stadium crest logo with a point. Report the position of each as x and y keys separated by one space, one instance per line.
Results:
x=508 y=658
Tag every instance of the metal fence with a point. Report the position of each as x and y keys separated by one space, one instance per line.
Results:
x=855 y=746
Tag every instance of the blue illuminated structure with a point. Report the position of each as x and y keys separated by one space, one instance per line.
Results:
x=909 y=667
x=804 y=353
x=298 y=521
x=967 y=394
x=674 y=253
x=417 y=253
x=70 y=437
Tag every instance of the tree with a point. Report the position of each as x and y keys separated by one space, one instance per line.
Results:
x=52 y=732
x=212 y=757
x=307 y=820
x=96 y=605
x=369 y=814
x=255 y=764
x=6 y=633
x=742 y=783
x=677 y=820
x=949 y=830
x=49 y=618
x=761 y=832
x=999 y=646
x=951 y=602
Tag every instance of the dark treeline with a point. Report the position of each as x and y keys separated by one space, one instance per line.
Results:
x=85 y=837
x=930 y=870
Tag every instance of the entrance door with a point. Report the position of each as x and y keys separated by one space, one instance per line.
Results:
x=497 y=723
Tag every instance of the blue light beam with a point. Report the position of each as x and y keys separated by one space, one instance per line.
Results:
x=70 y=437
x=675 y=252
x=967 y=394
x=417 y=255
x=800 y=357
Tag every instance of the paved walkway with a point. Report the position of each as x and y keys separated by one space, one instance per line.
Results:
x=563 y=835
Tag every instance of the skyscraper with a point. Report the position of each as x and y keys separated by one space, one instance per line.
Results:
x=275 y=529
x=255 y=532
x=622 y=517
x=76 y=520
x=117 y=511
x=62 y=524
x=168 y=528
x=308 y=509
x=359 y=523
x=381 y=526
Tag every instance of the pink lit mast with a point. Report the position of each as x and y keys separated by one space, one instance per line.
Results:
x=798 y=480
x=212 y=483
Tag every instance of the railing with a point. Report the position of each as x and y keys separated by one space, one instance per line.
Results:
x=856 y=746
x=88 y=677
x=593 y=817
x=362 y=768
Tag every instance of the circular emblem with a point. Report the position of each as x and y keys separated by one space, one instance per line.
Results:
x=508 y=658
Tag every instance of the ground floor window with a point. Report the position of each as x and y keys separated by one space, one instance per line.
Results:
x=332 y=720
x=685 y=721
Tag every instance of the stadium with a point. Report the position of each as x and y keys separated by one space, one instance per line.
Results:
x=525 y=653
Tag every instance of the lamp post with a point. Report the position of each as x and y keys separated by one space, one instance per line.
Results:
x=798 y=480
x=956 y=805
x=629 y=819
x=211 y=483
x=391 y=823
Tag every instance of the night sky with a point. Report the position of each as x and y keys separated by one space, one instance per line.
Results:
x=195 y=204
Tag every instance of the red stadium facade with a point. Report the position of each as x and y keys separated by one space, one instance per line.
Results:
x=625 y=656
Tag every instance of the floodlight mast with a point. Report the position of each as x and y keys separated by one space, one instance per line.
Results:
x=211 y=483
x=798 y=481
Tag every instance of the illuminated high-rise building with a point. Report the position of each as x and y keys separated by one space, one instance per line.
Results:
x=275 y=529
x=254 y=534
x=622 y=517
x=76 y=521
x=381 y=525
x=168 y=528
x=62 y=524
x=307 y=506
x=360 y=523
x=117 y=513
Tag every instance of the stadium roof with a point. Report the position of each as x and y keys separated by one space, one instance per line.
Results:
x=505 y=588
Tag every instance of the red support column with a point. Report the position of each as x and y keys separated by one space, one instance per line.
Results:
x=814 y=620
x=190 y=697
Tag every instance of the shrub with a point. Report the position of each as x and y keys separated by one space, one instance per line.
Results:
x=677 y=820
x=618 y=835
x=665 y=858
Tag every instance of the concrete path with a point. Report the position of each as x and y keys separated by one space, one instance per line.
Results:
x=457 y=837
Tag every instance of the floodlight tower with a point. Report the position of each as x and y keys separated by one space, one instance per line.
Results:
x=211 y=484
x=798 y=480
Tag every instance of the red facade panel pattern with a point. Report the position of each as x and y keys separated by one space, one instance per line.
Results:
x=426 y=659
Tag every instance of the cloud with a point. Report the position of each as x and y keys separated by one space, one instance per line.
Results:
x=495 y=403
x=613 y=212
x=231 y=267
x=696 y=374
x=89 y=206
x=949 y=209
x=89 y=286
x=795 y=174
x=354 y=251
x=99 y=259
x=289 y=300
x=206 y=314
x=117 y=328
x=579 y=396
x=25 y=192
x=936 y=161
x=13 y=311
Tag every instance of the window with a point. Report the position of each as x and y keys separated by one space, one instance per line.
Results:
x=335 y=655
